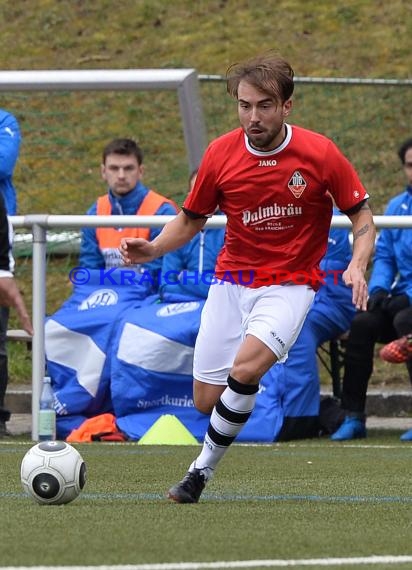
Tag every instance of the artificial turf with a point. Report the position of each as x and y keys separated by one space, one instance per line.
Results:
x=311 y=499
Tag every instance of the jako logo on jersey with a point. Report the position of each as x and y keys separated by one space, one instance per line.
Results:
x=100 y=298
x=297 y=184
x=177 y=308
x=267 y=163
x=269 y=212
x=277 y=339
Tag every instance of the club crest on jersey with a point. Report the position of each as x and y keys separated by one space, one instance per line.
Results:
x=297 y=184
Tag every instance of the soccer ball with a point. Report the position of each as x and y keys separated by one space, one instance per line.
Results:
x=53 y=473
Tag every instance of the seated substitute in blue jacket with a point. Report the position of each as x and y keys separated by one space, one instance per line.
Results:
x=122 y=168
x=290 y=391
x=79 y=336
x=388 y=312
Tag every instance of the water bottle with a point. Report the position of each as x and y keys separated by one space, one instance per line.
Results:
x=47 y=413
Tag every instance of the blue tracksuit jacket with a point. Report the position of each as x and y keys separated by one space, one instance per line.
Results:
x=392 y=262
x=10 y=139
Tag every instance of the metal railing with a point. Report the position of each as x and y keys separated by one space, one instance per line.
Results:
x=41 y=223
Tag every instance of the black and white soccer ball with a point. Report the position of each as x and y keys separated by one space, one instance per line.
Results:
x=53 y=473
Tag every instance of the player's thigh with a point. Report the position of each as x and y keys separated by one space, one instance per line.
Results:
x=276 y=316
x=219 y=336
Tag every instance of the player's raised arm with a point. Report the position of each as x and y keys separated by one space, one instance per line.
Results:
x=174 y=234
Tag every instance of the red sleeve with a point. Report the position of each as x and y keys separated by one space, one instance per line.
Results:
x=342 y=179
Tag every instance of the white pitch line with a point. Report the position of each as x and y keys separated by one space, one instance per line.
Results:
x=353 y=561
x=337 y=445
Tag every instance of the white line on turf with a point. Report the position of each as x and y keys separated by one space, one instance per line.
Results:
x=304 y=562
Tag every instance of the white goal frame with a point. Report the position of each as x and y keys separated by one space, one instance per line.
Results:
x=184 y=81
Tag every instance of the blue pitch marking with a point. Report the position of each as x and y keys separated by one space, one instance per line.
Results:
x=233 y=498
x=210 y=497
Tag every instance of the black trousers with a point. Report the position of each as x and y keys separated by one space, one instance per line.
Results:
x=366 y=330
x=4 y=371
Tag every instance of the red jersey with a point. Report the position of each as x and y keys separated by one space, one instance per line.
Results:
x=278 y=203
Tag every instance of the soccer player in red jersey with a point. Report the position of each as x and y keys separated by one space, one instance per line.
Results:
x=276 y=183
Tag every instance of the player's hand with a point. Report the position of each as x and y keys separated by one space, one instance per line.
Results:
x=136 y=250
x=355 y=278
x=10 y=296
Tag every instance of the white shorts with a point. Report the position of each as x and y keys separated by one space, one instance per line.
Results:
x=273 y=314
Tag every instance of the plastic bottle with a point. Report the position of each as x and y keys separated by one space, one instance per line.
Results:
x=47 y=413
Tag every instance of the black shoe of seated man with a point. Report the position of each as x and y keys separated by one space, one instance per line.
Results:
x=189 y=489
x=3 y=430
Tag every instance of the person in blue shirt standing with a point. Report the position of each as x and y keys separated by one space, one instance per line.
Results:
x=10 y=140
x=388 y=314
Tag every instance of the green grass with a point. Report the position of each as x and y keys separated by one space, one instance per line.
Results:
x=312 y=499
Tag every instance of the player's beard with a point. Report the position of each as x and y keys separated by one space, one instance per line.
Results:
x=265 y=140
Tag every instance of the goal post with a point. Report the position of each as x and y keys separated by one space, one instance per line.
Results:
x=184 y=81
